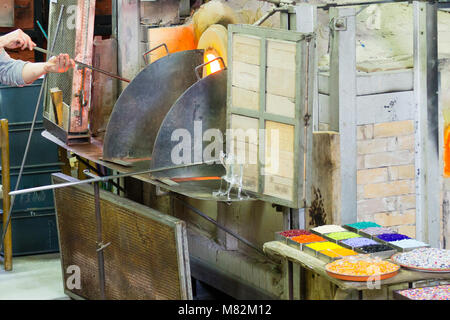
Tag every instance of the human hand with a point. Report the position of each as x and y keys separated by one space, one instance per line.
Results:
x=17 y=39
x=60 y=64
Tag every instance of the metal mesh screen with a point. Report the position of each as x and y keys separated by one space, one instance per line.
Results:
x=64 y=43
x=77 y=237
x=147 y=257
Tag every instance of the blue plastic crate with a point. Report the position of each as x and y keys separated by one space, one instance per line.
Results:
x=34 y=233
x=17 y=105
x=33 y=177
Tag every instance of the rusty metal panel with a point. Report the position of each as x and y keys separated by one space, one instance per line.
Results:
x=147 y=257
x=6 y=13
x=75 y=37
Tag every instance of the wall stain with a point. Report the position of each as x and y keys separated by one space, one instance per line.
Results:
x=317 y=215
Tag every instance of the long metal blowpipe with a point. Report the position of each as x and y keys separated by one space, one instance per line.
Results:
x=81 y=64
x=105 y=178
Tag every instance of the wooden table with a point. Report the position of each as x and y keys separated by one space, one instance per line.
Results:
x=329 y=287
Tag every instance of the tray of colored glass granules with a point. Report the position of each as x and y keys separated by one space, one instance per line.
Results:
x=358 y=226
x=329 y=228
x=400 y=242
x=441 y=292
x=330 y=255
x=283 y=236
x=341 y=235
x=372 y=232
x=361 y=268
x=424 y=260
x=377 y=250
x=327 y=251
x=299 y=241
x=368 y=246
x=408 y=245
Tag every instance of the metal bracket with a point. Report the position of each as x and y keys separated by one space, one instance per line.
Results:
x=155 y=48
x=102 y=246
x=207 y=63
x=339 y=24
x=306 y=119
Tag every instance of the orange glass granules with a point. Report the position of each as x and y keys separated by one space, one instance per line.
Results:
x=340 y=252
x=361 y=267
x=308 y=238
x=447 y=152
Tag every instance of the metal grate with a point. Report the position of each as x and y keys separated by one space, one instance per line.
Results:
x=64 y=43
x=75 y=37
x=147 y=257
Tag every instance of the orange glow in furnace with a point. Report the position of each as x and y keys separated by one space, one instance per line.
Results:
x=214 y=66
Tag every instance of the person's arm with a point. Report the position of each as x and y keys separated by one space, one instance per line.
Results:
x=33 y=71
x=19 y=73
x=15 y=40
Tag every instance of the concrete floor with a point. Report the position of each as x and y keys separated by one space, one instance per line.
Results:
x=33 y=278
x=39 y=277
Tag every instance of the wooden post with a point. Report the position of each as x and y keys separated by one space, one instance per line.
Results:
x=4 y=144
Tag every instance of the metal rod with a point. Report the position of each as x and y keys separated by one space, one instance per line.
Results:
x=280 y=2
x=100 y=257
x=362 y=3
x=203 y=215
x=75 y=183
x=30 y=135
x=274 y=10
x=42 y=29
x=101 y=179
x=326 y=6
x=87 y=164
x=81 y=64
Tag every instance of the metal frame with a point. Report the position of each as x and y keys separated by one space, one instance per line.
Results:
x=428 y=174
x=179 y=227
x=303 y=105
x=342 y=83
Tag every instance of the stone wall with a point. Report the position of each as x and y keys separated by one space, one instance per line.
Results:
x=386 y=172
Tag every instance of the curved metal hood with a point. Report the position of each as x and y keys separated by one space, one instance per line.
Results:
x=202 y=107
x=143 y=105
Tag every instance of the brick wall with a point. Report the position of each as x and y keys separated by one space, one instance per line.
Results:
x=385 y=178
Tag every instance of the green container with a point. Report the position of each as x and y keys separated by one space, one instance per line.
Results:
x=17 y=105
x=34 y=233
x=33 y=220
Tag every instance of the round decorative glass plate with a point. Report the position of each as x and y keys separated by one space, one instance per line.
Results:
x=415 y=268
x=348 y=277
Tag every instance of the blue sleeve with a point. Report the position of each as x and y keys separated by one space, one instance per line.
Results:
x=11 y=70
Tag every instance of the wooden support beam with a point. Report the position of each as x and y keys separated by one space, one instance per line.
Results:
x=325 y=180
x=6 y=183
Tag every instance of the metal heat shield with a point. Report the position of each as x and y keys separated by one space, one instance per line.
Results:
x=143 y=105
x=145 y=252
x=201 y=109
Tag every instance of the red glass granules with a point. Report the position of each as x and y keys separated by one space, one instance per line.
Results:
x=294 y=233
